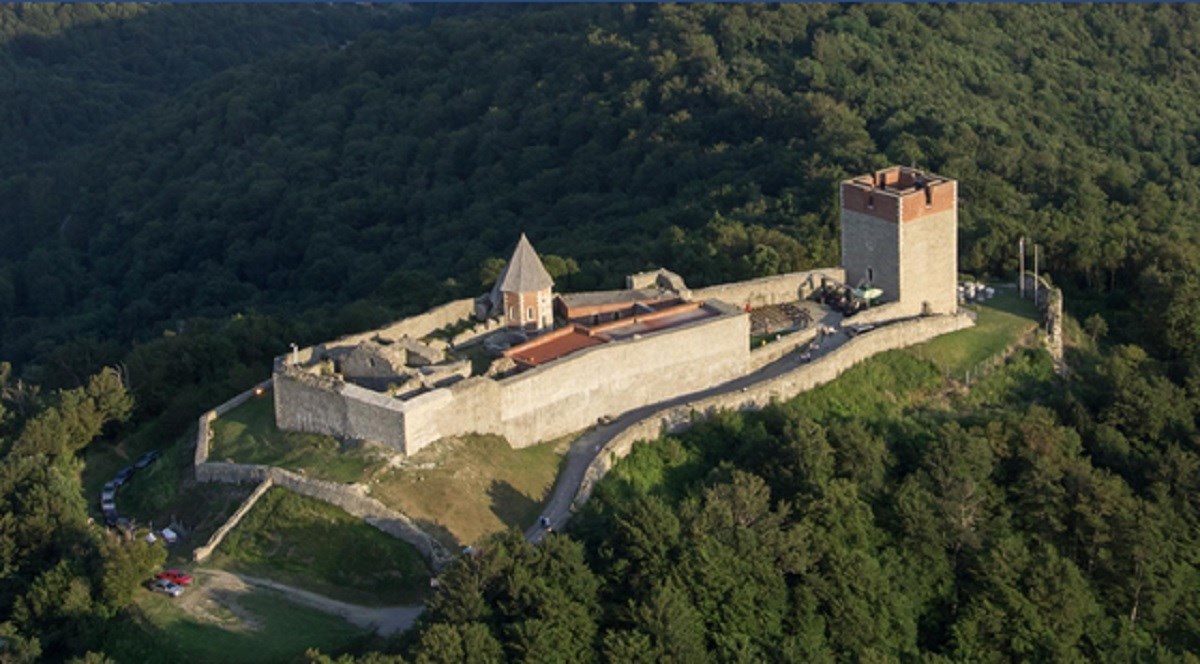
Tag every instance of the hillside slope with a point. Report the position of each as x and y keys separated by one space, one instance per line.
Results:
x=705 y=138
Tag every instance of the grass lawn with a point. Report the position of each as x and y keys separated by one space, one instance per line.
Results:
x=248 y=434
x=163 y=632
x=1001 y=322
x=309 y=544
x=463 y=489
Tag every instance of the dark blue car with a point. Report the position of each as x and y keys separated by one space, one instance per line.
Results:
x=124 y=475
x=146 y=459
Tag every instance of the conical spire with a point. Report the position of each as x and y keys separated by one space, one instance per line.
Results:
x=524 y=272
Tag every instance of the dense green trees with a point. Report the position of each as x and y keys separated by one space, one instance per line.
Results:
x=706 y=138
x=61 y=577
x=981 y=530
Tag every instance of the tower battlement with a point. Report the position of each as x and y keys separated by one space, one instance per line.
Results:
x=899 y=194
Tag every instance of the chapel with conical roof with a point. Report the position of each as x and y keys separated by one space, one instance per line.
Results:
x=522 y=291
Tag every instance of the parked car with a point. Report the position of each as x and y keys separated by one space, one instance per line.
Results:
x=111 y=517
x=146 y=459
x=108 y=495
x=123 y=476
x=108 y=505
x=175 y=576
x=855 y=330
x=167 y=587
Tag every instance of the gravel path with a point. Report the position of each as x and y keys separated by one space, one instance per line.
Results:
x=385 y=620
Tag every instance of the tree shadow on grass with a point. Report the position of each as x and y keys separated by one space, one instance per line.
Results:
x=440 y=533
x=513 y=508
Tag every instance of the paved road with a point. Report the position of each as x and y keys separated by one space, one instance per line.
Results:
x=585 y=449
x=386 y=620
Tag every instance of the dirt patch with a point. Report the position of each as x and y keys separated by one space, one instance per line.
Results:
x=213 y=599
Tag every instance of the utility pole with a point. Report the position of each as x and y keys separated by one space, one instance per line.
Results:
x=1021 y=275
x=1035 y=274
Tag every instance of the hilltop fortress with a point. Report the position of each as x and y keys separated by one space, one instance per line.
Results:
x=532 y=365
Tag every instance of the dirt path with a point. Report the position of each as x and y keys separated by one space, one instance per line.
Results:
x=588 y=446
x=224 y=587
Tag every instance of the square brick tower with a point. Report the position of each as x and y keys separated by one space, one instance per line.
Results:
x=900 y=234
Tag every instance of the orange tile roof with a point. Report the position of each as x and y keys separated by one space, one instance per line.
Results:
x=554 y=345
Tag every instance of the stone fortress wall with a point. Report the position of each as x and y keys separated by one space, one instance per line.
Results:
x=804 y=377
x=770 y=290
x=349 y=497
x=539 y=404
x=550 y=400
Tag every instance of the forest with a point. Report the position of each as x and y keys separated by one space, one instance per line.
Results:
x=185 y=190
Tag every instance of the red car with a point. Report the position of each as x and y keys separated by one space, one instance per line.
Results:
x=175 y=576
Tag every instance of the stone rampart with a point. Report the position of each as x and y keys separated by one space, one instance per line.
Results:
x=786 y=386
x=559 y=398
x=351 y=498
x=768 y=353
x=539 y=404
x=476 y=332
x=203 y=553
x=415 y=327
x=1049 y=300
x=888 y=311
x=306 y=402
x=419 y=326
x=203 y=430
x=770 y=290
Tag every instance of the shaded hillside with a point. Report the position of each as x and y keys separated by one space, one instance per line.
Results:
x=705 y=138
x=75 y=68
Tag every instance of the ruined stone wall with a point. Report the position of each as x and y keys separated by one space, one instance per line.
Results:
x=415 y=327
x=203 y=553
x=477 y=331
x=351 y=498
x=1050 y=304
x=326 y=405
x=304 y=402
x=769 y=290
x=786 y=386
x=203 y=428
x=562 y=397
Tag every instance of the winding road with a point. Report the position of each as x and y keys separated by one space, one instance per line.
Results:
x=588 y=446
